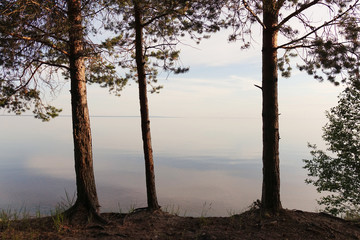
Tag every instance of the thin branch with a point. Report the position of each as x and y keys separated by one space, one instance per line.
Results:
x=279 y=4
x=46 y=33
x=246 y=5
x=171 y=9
x=53 y=64
x=321 y=26
x=43 y=6
x=313 y=45
x=28 y=81
x=301 y=9
x=155 y=18
x=161 y=45
x=299 y=46
x=258 y=87
x=47 y=43
x=9 y=5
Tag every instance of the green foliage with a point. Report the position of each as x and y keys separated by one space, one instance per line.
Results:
x=338 y=172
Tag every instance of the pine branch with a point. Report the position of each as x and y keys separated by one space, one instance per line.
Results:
x=246 y=5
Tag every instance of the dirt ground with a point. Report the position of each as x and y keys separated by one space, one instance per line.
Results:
x=290 y=224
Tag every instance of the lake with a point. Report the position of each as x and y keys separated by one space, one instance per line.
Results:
x=203 y=166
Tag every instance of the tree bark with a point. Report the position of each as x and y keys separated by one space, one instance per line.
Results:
x=144 y=111
x=87 y=205
x=270 y=201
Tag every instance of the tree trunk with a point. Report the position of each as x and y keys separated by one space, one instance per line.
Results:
x=87 y=205
x=271 y=203
x=144 y=111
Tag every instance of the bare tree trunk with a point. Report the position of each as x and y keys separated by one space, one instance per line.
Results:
x=270 y=116
x=87 y=205
x=144 y=110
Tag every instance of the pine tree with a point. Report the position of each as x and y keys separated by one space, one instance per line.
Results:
x=326 y=47
x=147 y=35
x=41 y=41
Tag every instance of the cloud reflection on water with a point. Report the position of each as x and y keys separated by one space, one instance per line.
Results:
x=215 y=161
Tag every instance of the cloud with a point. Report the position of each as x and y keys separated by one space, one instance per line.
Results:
x=245 y=83
x=216 y=51
x=54 y=166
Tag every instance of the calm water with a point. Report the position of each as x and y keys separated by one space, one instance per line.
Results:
x=202 y=164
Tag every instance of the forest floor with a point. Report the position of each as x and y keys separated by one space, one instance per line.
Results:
x=290 y=224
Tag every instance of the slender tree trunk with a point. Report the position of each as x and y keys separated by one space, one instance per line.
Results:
x=144 y=111
x=87 y=205
x=270 y=116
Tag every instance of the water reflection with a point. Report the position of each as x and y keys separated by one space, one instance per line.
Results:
x=197 y=161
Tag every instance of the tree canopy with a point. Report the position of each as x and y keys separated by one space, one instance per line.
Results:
x=34 y=50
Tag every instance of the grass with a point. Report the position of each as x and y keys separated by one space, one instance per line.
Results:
x=352 y=216
x=233 y=212
x=5 y=218
x=11 y=228
x=8 y=228
x=206 y=208
x=173 y=210
x=58 y=219
x=161 y=226
x=132 y=208
x=58 y=214
x=67 y=202
x=9 y=217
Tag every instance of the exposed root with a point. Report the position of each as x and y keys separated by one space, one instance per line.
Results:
x=79 y=214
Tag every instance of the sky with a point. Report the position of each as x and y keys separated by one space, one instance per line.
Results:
x=220 y=83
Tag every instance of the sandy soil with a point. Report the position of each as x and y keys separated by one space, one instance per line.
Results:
x=290 y=225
